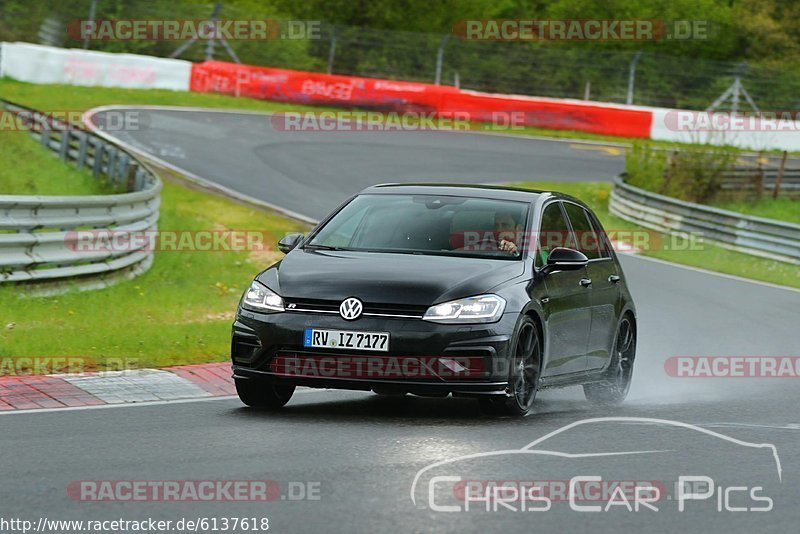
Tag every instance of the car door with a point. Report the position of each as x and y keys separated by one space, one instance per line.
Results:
x=604 y=292
x=565 y=301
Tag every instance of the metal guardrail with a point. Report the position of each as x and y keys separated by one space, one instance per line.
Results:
x=753 y=235
x=753 y=171
x=39 y=234
x=748 y=178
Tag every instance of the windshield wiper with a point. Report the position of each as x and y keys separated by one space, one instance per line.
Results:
x=322 y=247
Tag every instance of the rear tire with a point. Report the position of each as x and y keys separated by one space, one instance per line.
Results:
x=263 y=393
x=614 y=388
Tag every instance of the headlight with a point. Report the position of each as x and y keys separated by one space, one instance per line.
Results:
x=480 y=309
x=260 y=297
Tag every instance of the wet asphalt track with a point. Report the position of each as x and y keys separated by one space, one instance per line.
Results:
x=365 y=451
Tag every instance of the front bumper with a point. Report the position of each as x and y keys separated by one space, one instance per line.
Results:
x=262 y=344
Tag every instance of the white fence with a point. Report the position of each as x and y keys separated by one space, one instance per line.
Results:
x=46 y=64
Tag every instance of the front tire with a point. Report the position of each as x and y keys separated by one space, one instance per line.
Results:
x=614 y=388
x=523 y=376
x=263 y=393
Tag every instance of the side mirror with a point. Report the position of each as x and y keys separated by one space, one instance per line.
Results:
x=565 y=259
x=289 y=242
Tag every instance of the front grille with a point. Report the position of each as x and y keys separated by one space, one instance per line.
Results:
x=370 y=309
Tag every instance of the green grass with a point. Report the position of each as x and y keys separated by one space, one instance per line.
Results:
x=27 y=169
x=782 y=208
x=706 y=255
x=178 y=312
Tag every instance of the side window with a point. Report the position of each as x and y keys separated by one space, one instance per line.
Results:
x=585 y=238
x=603 y=243
x=553 y=232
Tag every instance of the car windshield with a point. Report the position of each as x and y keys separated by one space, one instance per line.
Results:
x=427 y=224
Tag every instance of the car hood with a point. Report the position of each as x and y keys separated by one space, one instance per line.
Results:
x=385 y=278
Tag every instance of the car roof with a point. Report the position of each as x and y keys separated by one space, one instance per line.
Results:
x=494 y=192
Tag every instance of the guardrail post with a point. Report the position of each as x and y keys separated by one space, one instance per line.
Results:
x=779 y=178
x=63 y=150
x=97 y=167
x=111 y=166
x=670 y=173
x=759 y=179
x=44 y=138
x=131 y=172
x=83 y=148
x=123 y=161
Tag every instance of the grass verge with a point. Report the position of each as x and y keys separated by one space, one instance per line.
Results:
x=179 y=312
x=781 y=209
x=27 y=169
x=706 y=256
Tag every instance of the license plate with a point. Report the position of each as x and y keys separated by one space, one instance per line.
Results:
x=345 y=339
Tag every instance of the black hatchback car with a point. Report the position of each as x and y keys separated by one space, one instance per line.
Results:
x=488 y=292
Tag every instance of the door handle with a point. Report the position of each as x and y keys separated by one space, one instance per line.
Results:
x=586 y=282
x=613 y=278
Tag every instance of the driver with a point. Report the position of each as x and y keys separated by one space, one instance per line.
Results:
x=507 y=230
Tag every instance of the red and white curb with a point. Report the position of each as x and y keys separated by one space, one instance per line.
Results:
x=115 y=387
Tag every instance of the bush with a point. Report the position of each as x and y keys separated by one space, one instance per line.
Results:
x=691 y=174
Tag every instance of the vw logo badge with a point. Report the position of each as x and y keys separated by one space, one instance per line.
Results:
x=351 y=308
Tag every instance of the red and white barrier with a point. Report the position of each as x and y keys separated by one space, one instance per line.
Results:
x=315 y=88
x=46 y=64
x=558 y=114
x=763 y=131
